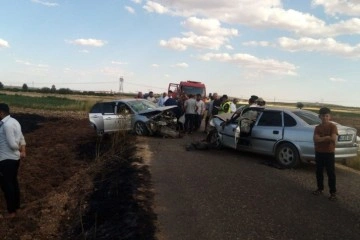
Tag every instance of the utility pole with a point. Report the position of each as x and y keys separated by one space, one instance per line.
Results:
x=121 y=83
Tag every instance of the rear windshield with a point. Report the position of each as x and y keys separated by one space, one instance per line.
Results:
x=309 y=117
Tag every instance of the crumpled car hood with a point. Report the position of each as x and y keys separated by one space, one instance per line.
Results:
x=150 y=113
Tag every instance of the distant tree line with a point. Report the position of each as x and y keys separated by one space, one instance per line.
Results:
x=53 y=89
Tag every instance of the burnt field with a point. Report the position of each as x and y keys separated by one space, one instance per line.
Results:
x=75 y=185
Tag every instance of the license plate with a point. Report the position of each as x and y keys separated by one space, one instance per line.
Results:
x=343 y=138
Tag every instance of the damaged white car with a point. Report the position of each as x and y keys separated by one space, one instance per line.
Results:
x=138 y=115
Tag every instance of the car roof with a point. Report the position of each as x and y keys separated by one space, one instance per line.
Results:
x=284 y=109
x=127 y=100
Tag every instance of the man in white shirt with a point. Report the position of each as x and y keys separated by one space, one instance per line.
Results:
x=233 y=105
x=162 y=99
x=190 y=113
x=200 y=105
x=151 y=97
x=12 y=148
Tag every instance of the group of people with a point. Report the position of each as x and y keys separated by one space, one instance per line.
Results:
x=151 y=97
x=12 y=148
x=325 y=134
x=192 y=109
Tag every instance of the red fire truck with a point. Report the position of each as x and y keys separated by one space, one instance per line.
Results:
x=187 y=87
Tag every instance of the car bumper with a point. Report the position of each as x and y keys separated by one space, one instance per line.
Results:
x=345 y=153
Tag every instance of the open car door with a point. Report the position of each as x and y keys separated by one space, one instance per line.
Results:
x=231 y=132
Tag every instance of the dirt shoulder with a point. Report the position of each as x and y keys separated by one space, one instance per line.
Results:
x=72 y=186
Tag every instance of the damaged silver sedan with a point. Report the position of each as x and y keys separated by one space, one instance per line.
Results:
x=138 y=115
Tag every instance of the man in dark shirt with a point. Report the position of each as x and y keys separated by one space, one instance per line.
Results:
x=171 y=101
x=216 y=104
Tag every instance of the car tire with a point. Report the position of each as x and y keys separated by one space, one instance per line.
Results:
x=287 y=155
x=140 y=129
x=213 y=139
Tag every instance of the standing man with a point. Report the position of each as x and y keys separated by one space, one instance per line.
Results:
x=208 y=106
x=162 y=100
x=325 y=135
x=178 y=111
x=139 y=95
x=200 y=106
x=215 y=106
x=151 y=97
x=190 y=113
x=252 y=101
x=226 y=105
x=12 y=148
x=234 y=104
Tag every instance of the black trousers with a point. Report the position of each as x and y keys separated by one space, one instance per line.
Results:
x=9 y=183
x=327 y=161
x=198 y=120
x=190 y=122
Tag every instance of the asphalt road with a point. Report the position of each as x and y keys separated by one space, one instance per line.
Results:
x=225 y=194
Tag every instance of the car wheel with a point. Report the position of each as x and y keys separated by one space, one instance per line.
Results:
x=214 y=139
x=287 y=155
x=140 y=129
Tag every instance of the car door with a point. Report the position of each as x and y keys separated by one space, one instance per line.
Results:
x=230 y=133
x=125 y=116
x=267 y=131
x=109 y=117
x=96 y=117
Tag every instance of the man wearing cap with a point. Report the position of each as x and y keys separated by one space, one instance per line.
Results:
x=249 y=117
x=12 y=148
x=260 y=102
x=252 y=101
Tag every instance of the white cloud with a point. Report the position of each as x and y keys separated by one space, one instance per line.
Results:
x=155 y=65
x=208 y=27
x=327 y=45
x=193 y=40
x=129 y=9
x=259 y=14
x=204 y=33
x=229 y=47
x=335 y=79
x=48 y=4
x=31 y=64
x=257 y=43
x=137 y=1
x=4 y=44
x=181 y=65
x=84 y=51
x=88 y=42
x=345 y=7
x=111 y=71
x=118 y=63
x=155 y=7
x=252 y=63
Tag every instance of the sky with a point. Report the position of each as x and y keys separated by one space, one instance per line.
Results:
x=280 y=50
